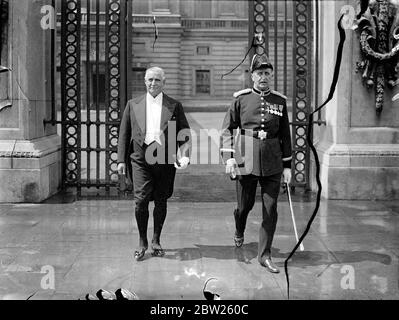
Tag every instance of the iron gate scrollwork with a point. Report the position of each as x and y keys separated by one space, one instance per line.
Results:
x=274 y=24
x=101 y=36
x=96 y=59
x=70 y=91
x=301 y=106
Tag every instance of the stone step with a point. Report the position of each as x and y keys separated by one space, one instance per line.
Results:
x=197 y=183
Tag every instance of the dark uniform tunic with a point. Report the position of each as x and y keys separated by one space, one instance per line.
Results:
x=250 y=113
x=256 y=133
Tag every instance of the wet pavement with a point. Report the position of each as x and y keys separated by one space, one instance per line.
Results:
x=66 y=247
x=351 y=251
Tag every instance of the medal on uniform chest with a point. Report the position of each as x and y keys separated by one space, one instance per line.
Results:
x=275 y=109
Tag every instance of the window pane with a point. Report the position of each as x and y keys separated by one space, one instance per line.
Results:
x=98 y=92
x=138 y=85
x=203 y=50
x=101 y=92
x=203 y=83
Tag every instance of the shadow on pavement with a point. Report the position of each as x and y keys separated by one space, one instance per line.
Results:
x=300 y=259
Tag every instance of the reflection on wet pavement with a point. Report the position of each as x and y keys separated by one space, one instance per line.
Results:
x=89 y=245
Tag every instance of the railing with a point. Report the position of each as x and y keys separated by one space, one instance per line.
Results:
x=136 y=18
x=160 y=19
x=222 y=23
x=187 y=23
x=214 y=24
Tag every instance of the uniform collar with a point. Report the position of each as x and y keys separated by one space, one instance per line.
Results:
x=261 y=93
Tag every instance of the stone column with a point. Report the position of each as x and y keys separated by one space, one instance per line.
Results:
x=358 y=150
x=29 y=149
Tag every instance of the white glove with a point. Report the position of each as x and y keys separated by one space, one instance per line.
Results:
x=231 y=165
x=287 y=175
x=183 y=163
x=121 y=168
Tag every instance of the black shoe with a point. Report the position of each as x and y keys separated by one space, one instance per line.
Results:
x=123 y=294
x=157 y=250
x=269 y=265
x=105 y=295
x=139 y=254
x=238 y=241
x=90 y=297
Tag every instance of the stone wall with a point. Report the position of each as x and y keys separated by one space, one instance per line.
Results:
x=29 y=149
x=358 y=150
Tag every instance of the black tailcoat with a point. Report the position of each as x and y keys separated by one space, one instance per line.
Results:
x=250 y=113
x=132 y=133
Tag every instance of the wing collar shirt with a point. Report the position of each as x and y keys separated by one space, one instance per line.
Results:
x=153 y=118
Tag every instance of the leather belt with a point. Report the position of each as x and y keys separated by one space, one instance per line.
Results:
x=258 y=134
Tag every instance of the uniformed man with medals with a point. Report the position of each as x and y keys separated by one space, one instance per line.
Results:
x=256 y=147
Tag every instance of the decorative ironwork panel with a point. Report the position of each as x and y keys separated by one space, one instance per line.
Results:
x=302 y=97
x=260 y=26
x=95 y=63
x=113 y=56
x=70 y=88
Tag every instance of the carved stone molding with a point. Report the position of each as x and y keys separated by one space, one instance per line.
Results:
x=22 y=149
x=19 y=154
x=378 y=29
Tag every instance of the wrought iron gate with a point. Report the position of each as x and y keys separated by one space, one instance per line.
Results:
x=293 y=24
x=96 y=38
x=95 y=69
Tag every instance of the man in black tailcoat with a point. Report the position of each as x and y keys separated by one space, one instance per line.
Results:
x=154 y=141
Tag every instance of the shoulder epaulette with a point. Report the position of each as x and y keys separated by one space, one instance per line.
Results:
x=278 y=94
x=241 y=92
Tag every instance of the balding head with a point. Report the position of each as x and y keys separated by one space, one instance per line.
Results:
x=154 y=80
x=157 y=70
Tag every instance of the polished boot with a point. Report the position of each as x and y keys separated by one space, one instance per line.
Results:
x=269 y=265
x=238 y=240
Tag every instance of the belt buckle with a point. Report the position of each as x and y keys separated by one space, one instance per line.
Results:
x=262 y=135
